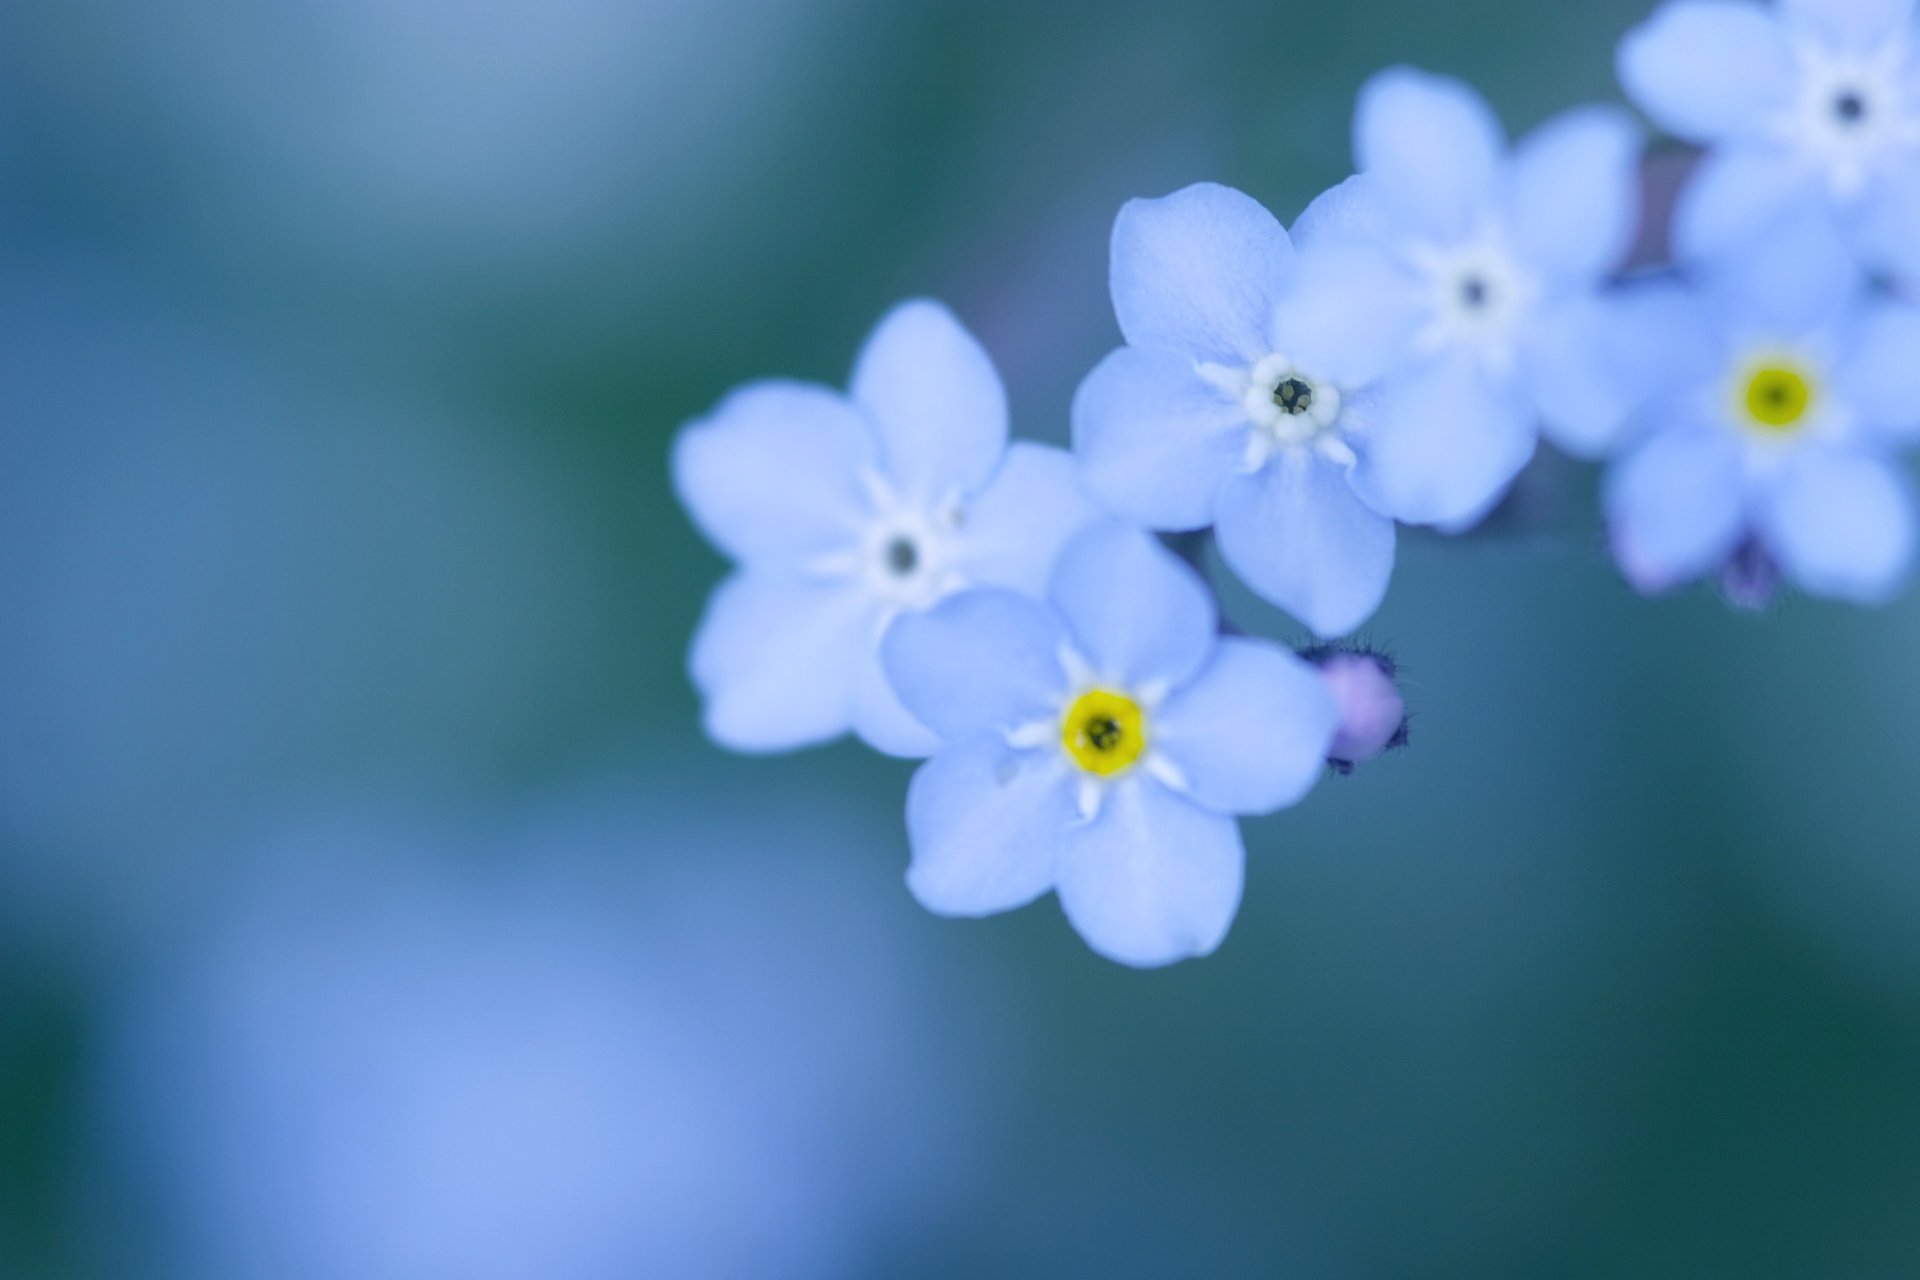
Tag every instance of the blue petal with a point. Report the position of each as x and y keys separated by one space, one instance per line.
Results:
x=882 y=721
x=1198 y=271
x=1708 y=69
x=1675 y=507
x=1794 y=279
x=1737 y=194
x=1349 y=315
x=1135 y=610
x=1841 y=524
x=1351 y=213
x=777 y=660
x=1431 y=146
x=1296 y=533
x=1445 y=443
x=1252 y=732
x=1017 y=525
x=1886 y=226
x=1853 y=26
x=981 y=660
x=1879 y=373
x=1154 y=878
x=773 y=476
x=985 y=824
x=1574 y=193
x=1154 y=438
x=1595 y=361
x=934 y=395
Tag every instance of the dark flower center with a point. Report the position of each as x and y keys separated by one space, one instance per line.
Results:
x=1850 y=107
x=1103 y=733
x=903 y=557
x=1473 y=292
x=1294 y=396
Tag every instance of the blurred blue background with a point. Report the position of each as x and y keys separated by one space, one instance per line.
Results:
x=370 y=906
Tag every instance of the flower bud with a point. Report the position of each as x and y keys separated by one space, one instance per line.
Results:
x=1373 y=715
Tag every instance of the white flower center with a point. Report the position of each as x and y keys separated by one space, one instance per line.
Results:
x=1477 y=297
x=1287 y=407
x=1852 y=111
x=907 y=555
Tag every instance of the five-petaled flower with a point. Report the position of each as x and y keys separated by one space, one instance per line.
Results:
x=844 y=512
x=1100 y=745
x=1790 y=389
x=1809 y=104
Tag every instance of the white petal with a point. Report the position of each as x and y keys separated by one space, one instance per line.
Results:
x=1574 y=193
x=1708 y=69
x=1676 y=507
x=1431 y=146
x=986 y=825
x=777 y=660
x=1446 y=442
x=1135 y=610
x=1302 y=539
x=1197 y=271
x=1154 y=438
x=1841 y=524
x=936 y=399
x=977 y=661
x=1879 y=373
x=1252 y=731
x=1153 y=879
x=772 y=476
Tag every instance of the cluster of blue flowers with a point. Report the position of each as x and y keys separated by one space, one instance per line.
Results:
x=907 y=574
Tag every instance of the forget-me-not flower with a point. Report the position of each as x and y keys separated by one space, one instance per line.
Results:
x=1471 y=277
x=1804 y=104
x=1099 y=745
x=1774 y=442
x=844 y=511
x=1229 y=407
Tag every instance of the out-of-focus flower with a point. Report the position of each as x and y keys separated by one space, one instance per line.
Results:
x=1776 y=444
x=1229 y=407
x=1100 y=745
x=717 y=1061
x=1808 y=104
x=1470 y=278
x=1373 y=716
x=844 y=512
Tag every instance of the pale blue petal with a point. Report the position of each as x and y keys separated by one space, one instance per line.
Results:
x=976 y=661
x=1574 y=194
x=986 y=824
x=933 y=393
x=1795 y=279
x=1841 y=524
x=1595 y=361
x=772 y=477
x=1445 y=442
x=1198 y=271
x=1135 y=610
x=1431 y=146
x=881 y=720
x=1737 y=194
x=1855 y=26
x=1297 y=534
x=1351 y=213
x=1708 y=69
x=1886 y=226
x=1017 y=525
x=1675 y=507
x=1154 y=878
x=1879 y=372
x=1154 y=438
x=1350 y=314
x=1252 y=732
x=777 y=660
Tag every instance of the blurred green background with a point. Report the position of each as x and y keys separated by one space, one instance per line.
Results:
x=341 y=343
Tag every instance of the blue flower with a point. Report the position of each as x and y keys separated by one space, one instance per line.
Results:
x=1809 y=104
x=1472 y=279
x=1792 y=388
x=1228 y=409
x=846 y=511
x=1099 y=745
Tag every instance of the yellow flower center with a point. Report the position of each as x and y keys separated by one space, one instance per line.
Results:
x=1778 y=397
x=1104 y=732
